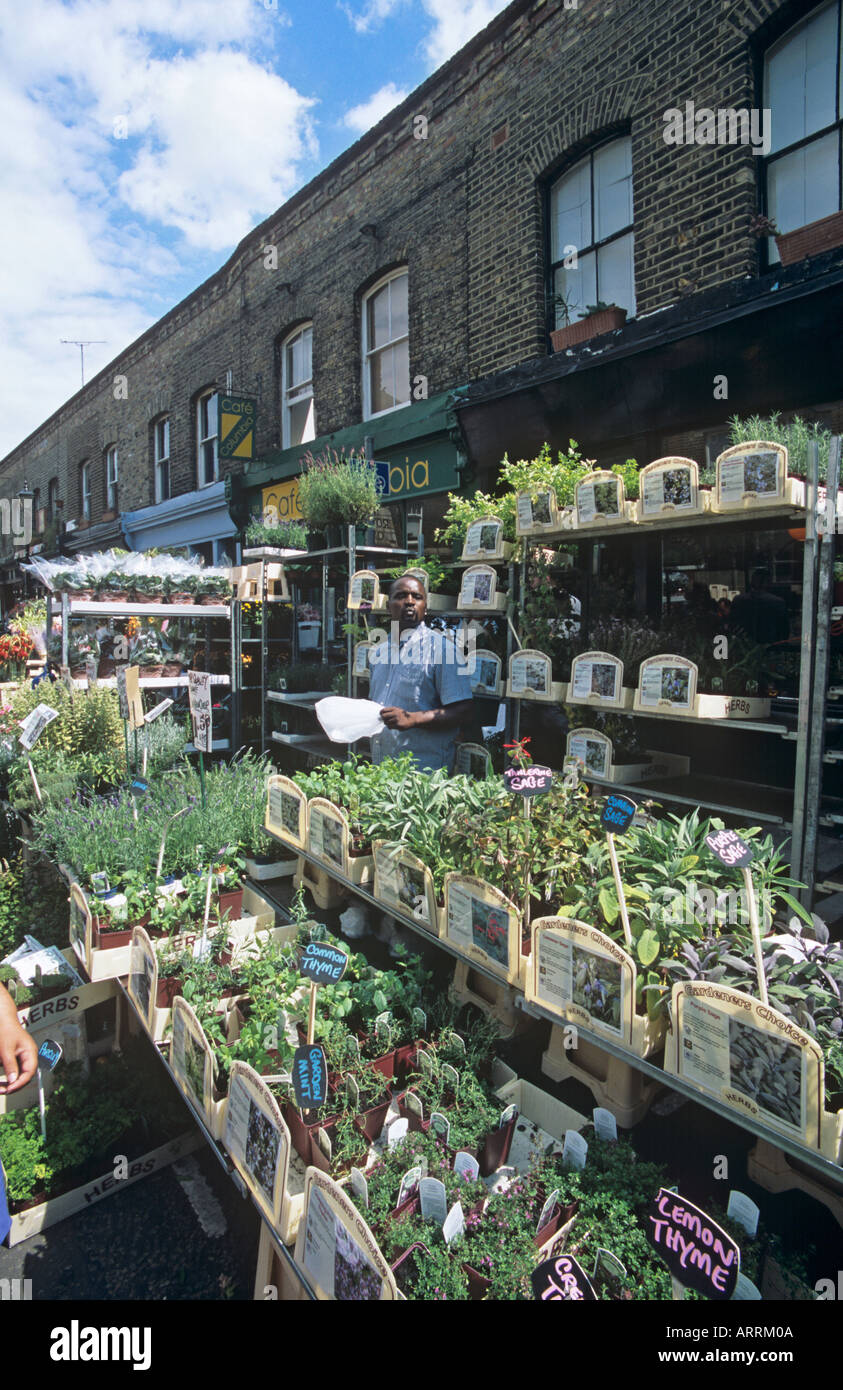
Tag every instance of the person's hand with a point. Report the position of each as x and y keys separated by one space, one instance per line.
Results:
x=18 y=1055
x=395 y=718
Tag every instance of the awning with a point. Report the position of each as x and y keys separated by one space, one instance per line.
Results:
x=191 y=519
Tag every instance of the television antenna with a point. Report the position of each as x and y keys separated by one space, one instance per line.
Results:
x=82 y=343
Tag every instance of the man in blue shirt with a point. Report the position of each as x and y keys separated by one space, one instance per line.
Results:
x=422 y=682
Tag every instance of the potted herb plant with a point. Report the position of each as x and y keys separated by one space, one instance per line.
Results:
x=268 y=541
x=593 y=320
x=335 y=492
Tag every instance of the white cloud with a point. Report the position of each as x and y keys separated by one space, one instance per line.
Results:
x=361 y=118
x=99 y=235
x=454 y=22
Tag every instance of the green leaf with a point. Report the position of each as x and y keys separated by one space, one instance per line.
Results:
x=797 y=907
x=648 y=947
x=609 y=905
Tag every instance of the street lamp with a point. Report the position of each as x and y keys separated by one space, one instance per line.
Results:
x=25 y=494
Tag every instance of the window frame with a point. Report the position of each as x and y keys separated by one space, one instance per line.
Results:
x=202 y=440
x=366 y=352
x=287 y=442
x=158 y=492
x=594 y=247
x=85 y=489
x=112 y=484
x=52 y=499
x=772 y=258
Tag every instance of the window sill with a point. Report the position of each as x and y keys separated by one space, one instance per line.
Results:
x=380 y=414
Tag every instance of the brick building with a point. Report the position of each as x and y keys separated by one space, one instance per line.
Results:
x=404 y=296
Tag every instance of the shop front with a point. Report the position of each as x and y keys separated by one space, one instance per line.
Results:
x=198 y=522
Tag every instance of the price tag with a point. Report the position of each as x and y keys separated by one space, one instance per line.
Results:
x=49 y=1053
x=617 y=814
x=310 y=1076
x=528 y=781
x=199 y=689
x=323 y=964
x=729 y=848
x=561 y=1279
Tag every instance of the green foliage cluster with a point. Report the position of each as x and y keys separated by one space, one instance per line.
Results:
x=337 y=491
x=287 y=535
x=796 y=436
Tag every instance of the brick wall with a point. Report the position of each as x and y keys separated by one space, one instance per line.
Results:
x=464 y=210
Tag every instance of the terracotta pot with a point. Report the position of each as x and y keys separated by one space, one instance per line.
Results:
x=230 y=901
x=605 y=321
x=172 y=668
x=168 y=988
x=404 y=1268
x=109 y=940
x=494 y=1150
x=478 y=1284
x=811 y=240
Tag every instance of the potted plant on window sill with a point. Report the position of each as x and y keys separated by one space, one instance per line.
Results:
x=593 y=320
x=811 y=240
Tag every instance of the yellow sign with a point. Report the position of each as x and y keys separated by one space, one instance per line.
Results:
x=281 y=502
x=237 y=427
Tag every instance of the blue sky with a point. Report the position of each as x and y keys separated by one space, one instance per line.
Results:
x=142 y=139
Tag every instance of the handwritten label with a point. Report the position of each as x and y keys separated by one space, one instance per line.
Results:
x=697 y=1251
x=434 y=1203
x=561 y=1278
x=743 y=1210
x=310 y=1076
x=528 y=781
x=617 y=814
x=575 y=1149
x=730 y=849
x=49 y=1053
x=467 y=1164
x=605 y=1124
x=199 y=690
x=322 y=963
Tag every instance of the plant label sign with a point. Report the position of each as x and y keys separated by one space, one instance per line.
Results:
x=548 y=1209
x=440 y=1126
x=49 y=1053
x=483 y=924
x=466 y=1163
x=605 y=1124
x=528 y=781
x=612 y=1267
x=743 y=1210
x=122 y=693
x=200 y=708
x=397 y=1131
x=575 y=1149
x=561 y=1279
x=582 y=975
x=729 y=848
x=257 y=1138
x=360 y=1187
x=698 y=1252
x=310 y=1077
x=323 y=964
x=409 y=1184
x=157 y=710
x=33 y=726
x=434 y=1203
x=454 y=1223
x=617 y=814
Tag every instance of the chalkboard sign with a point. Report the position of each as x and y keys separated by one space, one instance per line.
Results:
x=561 y=1278
x=310 y=1076
x=49 y=1053
x=617 y=814
x=730 y=849
x=698 y=1252
x=323 y=964
x=528 y=781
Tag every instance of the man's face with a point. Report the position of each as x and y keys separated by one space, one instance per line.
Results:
x=407 y=603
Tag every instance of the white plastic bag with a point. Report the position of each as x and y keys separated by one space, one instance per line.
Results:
x=344 y=720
